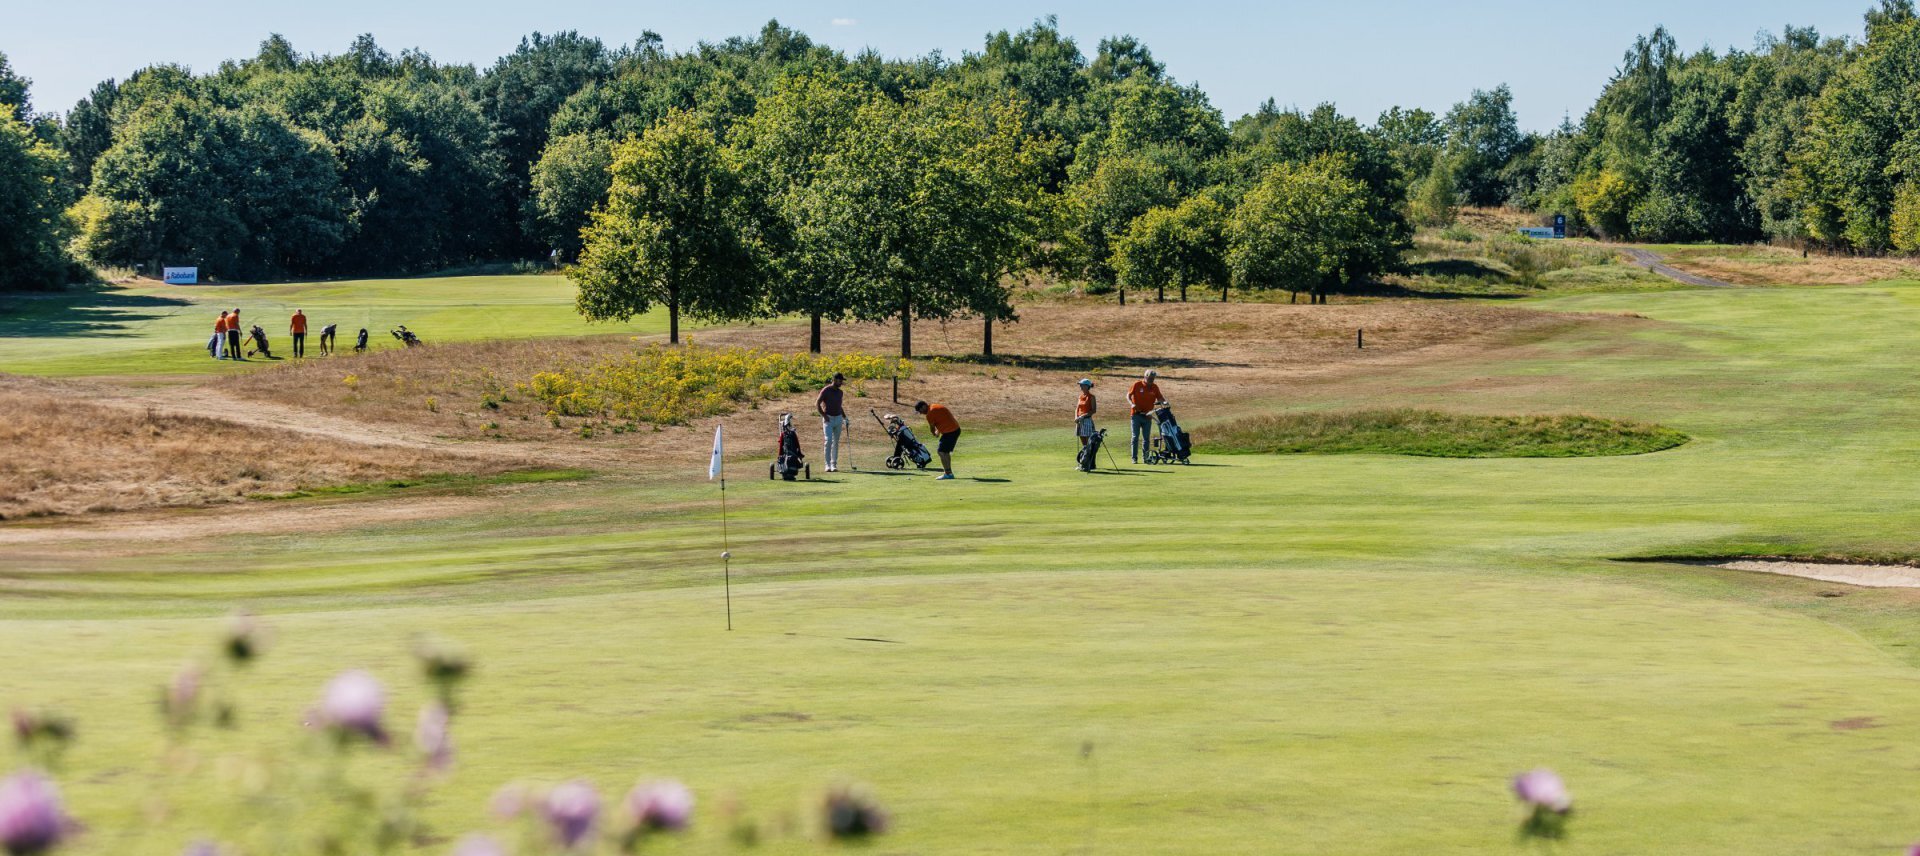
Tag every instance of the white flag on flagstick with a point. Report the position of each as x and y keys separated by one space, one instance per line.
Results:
x=713 y=469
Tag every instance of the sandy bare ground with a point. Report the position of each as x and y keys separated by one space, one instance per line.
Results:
x=1870 y=576
x=1214 y=359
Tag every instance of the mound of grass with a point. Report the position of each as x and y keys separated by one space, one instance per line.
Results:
x=1433 y=434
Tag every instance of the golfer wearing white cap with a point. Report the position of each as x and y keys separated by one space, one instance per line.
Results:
x=1144 y=396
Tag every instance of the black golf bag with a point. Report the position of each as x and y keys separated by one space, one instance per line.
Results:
x=788 y=461
x=906 y=447
x=1089 y=458
x=258 y=338
x=1173 y=445
x=406 y=336
x=360 y=344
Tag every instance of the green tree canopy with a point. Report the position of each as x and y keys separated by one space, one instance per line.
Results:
x=671 y=232
x=1298 y=227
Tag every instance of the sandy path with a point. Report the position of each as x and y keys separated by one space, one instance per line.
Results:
x=1653 y=261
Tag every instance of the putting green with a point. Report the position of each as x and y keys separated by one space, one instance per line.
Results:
x=1267 y=654
x=163 y=329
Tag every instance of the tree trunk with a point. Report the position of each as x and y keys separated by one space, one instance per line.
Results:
x=906 y=322
x=1293 y=296
x=986 y=340
x=1183 y=292
x=1223 y=293
x=1123 y=297
x=673 y=321
x=813 y=338
x=1162 y=296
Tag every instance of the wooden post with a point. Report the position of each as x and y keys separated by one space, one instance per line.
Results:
x=1360 y=338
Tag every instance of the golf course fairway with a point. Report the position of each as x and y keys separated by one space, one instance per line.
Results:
x=1255 y=654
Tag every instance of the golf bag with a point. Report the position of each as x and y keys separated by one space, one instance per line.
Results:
x=906 y=447
x=213 y=346
x=788 y=461
x=360 y=344
x=406 y=336
x=258 y=337
x=1089 y=458
x=1173 y=445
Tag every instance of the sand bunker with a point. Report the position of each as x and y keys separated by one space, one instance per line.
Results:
x=1871 y=576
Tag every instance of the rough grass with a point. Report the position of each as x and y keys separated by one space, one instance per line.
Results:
x=1433 y=434
x=65 y=456
x=1764 y=265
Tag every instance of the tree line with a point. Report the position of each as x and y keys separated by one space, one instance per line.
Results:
x=772 y=175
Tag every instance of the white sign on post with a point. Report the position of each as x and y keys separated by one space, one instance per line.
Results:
x=180 y=275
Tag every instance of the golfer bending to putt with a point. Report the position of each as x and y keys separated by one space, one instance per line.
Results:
x=940 y=420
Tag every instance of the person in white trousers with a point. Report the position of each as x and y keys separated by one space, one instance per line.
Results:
x=833 y=418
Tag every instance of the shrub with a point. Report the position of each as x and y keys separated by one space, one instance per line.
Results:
x=672 y=386
x=1459 y=233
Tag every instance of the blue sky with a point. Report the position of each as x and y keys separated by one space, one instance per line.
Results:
x=1364 y=55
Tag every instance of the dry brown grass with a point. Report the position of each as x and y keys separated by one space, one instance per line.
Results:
x=1498 y=219
x=1763 y=265
x=67 y=455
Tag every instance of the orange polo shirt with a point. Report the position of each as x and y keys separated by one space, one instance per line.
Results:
x=1144 y=396
x=299 y=323
x=941 y=420
x=220 y=326
x=1086 y=406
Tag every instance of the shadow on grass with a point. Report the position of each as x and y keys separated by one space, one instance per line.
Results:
x=1049 y=362
x=994 y=481
x=83 y=312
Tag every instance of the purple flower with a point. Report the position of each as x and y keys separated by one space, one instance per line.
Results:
x=31 y=819
x=853 y=814
x=478 y=845
x=1542 y=788
x=353 y=704
x=509 y=802
x=432 y=736
x=662 y=806
x=571 y=810
x=203 y=847
x=181 y=696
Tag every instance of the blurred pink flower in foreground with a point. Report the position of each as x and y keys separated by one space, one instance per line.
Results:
x=571 y=810
x=662 y=806
x=478 y=845
x=353 y=704
x=1543 y=788
x=183 y=695
x=31 y=818
x=203 y=848
x=431 y=734
x=509 y=802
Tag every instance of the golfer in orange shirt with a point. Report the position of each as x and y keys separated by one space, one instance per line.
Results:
x=1144 y=396
x=940 y=420
x=298 y=327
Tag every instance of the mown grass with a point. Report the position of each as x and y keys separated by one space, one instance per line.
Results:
x=1277 y=654
x=1434 y=434
x=153 y=329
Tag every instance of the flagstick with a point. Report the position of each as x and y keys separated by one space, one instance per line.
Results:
x=726 y=551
